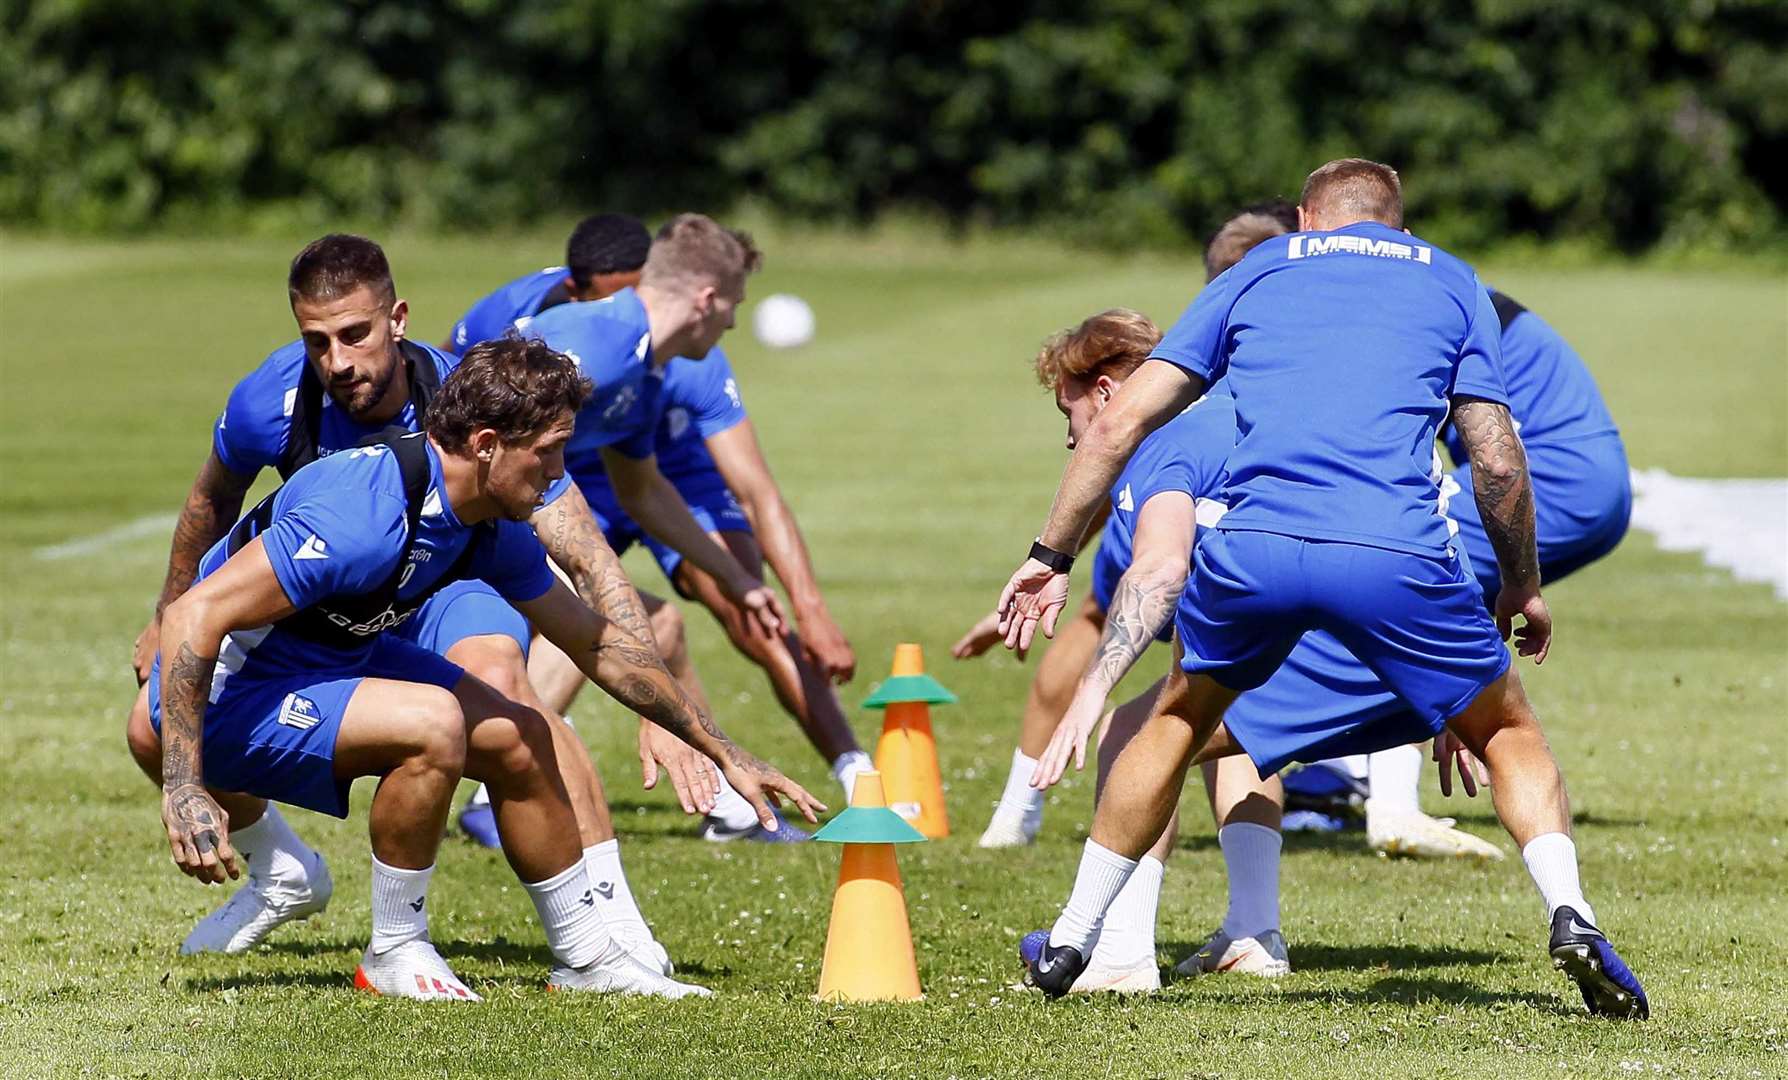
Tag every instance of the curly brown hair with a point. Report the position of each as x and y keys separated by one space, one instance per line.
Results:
x=1112 y=343
x=516 y=386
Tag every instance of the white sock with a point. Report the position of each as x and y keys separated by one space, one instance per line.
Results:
x=1395 y=776
x=574 y=928
x=846 y=767
x=1552 y=861
x=1101 y=877
x=481 y=797
x=1353 y=765
x=273 y=851
x=614 y=900
x=1019 y=794
x=731 y=809
x=399 y=905
x=1128 y=936
x=1251 y=855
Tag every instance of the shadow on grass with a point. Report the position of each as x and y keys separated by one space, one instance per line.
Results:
x=1406 y=990
x=1365 y=958
x=528 y=956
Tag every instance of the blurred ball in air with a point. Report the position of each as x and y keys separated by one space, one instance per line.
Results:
x=782 y=321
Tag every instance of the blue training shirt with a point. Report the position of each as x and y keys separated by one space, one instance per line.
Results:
x=252 y=431
x=506 y=307
x=338 y=527
x=1188 y=453
x=1552 y=395
x=611 y=343
x=1343 y=351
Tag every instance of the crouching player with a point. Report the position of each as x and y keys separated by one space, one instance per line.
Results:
x=278 y=678
x=1332 y=524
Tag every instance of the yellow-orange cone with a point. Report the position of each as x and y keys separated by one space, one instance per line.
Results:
x=906 y=756
x=869 y=944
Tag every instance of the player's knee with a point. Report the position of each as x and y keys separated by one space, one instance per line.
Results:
x=667 y=632
x=144 y=743
x=438 y=730
x=517 y=744
x=500 y=665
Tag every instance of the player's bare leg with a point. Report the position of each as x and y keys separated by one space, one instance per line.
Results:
x=1500 y=728
x=288 y=881
x=497 y=661
x=1124 y=959
x=1019 y=816
x=1140 y=798
x=1247 y=811
x=801 y=687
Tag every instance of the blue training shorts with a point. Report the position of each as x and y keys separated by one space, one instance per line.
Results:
x=1583 y=500
x=710 y=502
x=467 y=608
x=273 y=734
x=1415 y=622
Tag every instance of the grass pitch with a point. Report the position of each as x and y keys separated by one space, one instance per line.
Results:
x=920 y=457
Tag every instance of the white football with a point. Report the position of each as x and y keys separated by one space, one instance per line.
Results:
x=782 y=321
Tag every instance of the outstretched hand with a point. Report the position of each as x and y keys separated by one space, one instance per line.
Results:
x=764 y=786
x=142 y=656
x=1450 y=751
x=982 y=636
x=1534 y=636
x=827 y=648
x=1035 y=594
x=1069 y=740
x=763 y=611
x=693 y=777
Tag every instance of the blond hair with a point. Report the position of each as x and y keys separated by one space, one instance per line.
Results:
x=1354 y=189
x=1112 y=343
x=1238 y=236
x=695 y=247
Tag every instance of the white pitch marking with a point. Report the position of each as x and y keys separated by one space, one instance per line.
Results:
x=1737 y=525
x=90 y=545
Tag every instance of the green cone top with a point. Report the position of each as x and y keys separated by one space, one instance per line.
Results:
x=869 y=825
x=910 y=688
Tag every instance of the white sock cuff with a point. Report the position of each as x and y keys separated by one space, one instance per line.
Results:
x=567 y=907
x=1249 y=833
x=399 y=872
x=610 y=846
x=396 y=917
x=557 y=881
x=1019 y=794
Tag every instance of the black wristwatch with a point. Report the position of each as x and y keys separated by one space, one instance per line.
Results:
x=1059 y=561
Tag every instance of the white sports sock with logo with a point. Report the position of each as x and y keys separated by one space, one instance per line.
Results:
x=846 y=767
x=574 y=928
x=1551 y=860
x=1128 y=936
x=1019 y=794
x=1251 y=855
x=1102 y=875
x=273 y=852
x=614 y=899
x=731 y=809
x=399 y=905
x=1395 y=776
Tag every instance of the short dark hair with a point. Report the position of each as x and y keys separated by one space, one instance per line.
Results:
x=514 y=385
x=1244 y=230
x=1357 y=188
x=695 y=246
x=606 y=244
x=335 y=265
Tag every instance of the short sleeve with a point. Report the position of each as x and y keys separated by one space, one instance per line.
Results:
x=1479 y=371
x=340 y=540
x=637 y=429
x=1196 y=341
x=714 y=404
x=251 y=432
x=511 y=560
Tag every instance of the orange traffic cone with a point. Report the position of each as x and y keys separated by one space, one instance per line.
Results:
x=869 y=945
x=907 y=753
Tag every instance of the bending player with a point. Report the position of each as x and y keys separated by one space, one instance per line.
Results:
x=284 y=682
x=1332 y=525
x=693 y=279
x=352 y=374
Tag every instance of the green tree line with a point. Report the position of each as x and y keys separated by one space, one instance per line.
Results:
x=1622 y=124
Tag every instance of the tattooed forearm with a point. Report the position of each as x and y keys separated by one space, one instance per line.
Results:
x=211 y=508
x=568 y=529
x=185 y=686
x=1501 y=486
x=653 y=694
x=1140 y=607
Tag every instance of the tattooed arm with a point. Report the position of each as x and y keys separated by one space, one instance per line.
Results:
x=567 y=529
x=1142 y=603
x=629 y=669
x=211 y=508
x=243 y=593
x=1504 y=494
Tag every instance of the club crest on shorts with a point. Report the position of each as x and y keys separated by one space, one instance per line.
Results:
x=298 y=711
